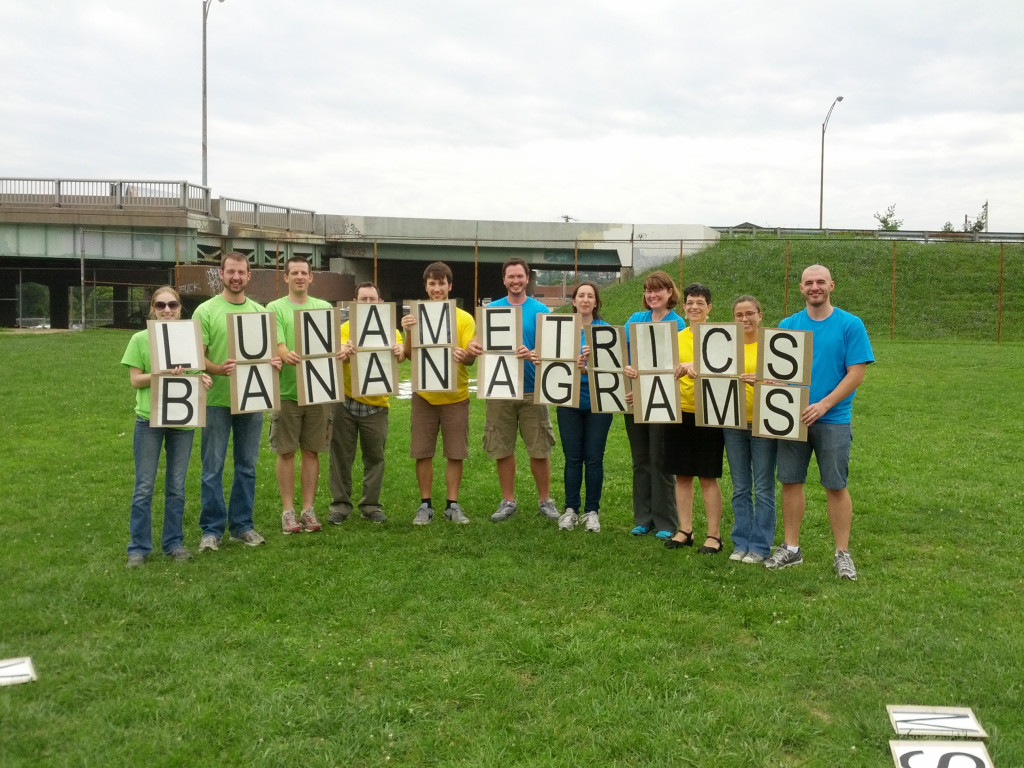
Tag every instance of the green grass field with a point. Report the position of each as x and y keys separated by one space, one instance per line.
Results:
x=512 y=644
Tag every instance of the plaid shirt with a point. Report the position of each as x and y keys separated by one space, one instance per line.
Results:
x=359 y=409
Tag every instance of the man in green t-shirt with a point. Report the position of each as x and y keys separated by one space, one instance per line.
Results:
x=246 y=428
x=293 y=428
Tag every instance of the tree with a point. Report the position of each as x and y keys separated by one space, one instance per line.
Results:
x=980 y=223
x=887 y=222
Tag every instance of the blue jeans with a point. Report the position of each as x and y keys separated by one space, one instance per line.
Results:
x=236 y=516
x=584 y=435
x=146 y=444
x=752 y=466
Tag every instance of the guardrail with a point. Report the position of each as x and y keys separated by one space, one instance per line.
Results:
x=920 y=236
x=258 y=215
x=105 y=193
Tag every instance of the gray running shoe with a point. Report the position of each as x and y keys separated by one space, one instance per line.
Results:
x=591 y=522
x=845 y=569
x=783 y=558
x=180 y=554
x=249 y=538
x=337 y=518
x=738 y=554
x=374 y=516
x=310 y=523
x=548 y=509
x=752 y=557
x=424 y=515
x=505 y=510
x=135 y=561
x=290 y=522
x=455 y=514
x=208 y=543
x=567 y=521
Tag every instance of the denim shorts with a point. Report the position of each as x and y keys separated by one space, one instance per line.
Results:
x=831 y=446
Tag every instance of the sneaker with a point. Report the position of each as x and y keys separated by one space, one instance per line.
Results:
x=250 y=538
x=505 y=510
x=738 y=554
x=135 y=561
x=640 y=530
x=845 y=569
x=310 y=523
x=290 y=523
x=337 y=518
x=424 y=515
x=752 y=557
x=374 y=516
x=180 y=554
x=549 y=510
x=455 y=514
x=591 y=522
x=567 y=521
x=783 y=558
x=208 y=543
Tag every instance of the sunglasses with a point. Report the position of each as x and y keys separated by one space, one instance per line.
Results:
x=166 y=305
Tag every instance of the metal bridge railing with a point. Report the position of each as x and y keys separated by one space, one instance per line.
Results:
x=105 y=193
x=255 y=214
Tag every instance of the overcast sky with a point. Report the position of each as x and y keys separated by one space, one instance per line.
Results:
x=632 y=111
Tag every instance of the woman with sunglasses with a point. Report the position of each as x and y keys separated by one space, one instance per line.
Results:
x=146 y=443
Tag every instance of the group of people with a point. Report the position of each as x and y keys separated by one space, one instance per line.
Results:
x=666 y=458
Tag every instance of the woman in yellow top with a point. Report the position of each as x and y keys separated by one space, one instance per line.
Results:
x=751 y=459
x=692 y=451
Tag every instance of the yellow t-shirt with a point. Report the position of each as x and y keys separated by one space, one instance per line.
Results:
x=382 y=401
x=465 y=330
x=686 y=383
x=750 y=366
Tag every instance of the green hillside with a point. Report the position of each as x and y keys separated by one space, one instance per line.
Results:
x=942 y=290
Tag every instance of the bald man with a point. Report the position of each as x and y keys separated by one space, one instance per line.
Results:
x=841 y=356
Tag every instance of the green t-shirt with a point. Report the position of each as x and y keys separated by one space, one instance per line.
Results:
x=212 y=315
x=285 y=311
x=137 y=356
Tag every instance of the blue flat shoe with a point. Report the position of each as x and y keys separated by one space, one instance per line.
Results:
x=663 y=535
x=640 y=530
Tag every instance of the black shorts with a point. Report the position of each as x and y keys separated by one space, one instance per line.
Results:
x=693 y=451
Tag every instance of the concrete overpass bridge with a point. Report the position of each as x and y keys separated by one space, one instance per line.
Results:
x=76 y=234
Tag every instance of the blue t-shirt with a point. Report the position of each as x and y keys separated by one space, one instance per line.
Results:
x=531 y=308
x=584 y=381
x=647 y=317
x=840 y=341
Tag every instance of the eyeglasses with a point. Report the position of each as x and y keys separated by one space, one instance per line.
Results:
x=166 y=305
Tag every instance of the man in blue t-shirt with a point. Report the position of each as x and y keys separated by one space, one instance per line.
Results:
x=505 y=418
x=841 y=354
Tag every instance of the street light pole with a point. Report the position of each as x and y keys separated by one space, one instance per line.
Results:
x=206 y=12
x=821 y=190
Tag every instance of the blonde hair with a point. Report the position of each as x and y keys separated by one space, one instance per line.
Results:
x=163 y=289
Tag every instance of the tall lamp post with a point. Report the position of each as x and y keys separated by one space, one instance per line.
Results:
x=206 y=12
x=821 y=191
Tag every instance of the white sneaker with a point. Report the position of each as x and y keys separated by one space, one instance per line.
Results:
x=752 y=557
x=567 y=521
x=591 y=522
x=208 y=543
x=738 y=554
x=250 y=538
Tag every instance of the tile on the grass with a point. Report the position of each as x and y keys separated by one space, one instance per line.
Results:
x=14 y=671
x=910 y=754
x=913 y=720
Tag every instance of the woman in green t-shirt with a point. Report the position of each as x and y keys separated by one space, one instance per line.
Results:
x=146 y=444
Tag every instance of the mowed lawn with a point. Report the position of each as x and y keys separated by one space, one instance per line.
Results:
x=511 y=644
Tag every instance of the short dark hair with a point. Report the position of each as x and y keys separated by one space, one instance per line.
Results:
x=437 y=270
x=513 y=262
x=296 y=260
x=368 y=284
x=697 y=289
x=233 y=256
